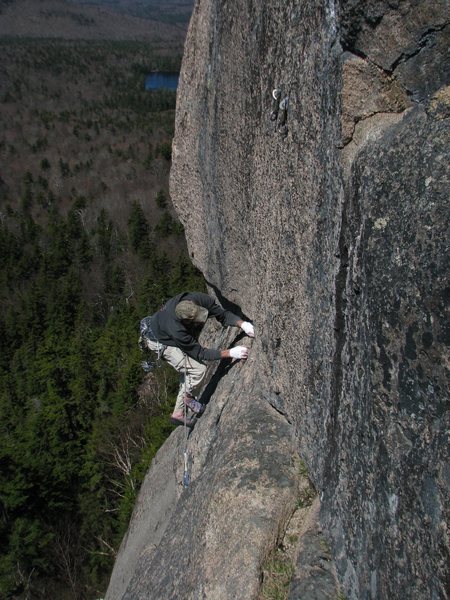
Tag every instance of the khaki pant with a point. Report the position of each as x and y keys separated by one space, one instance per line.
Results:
x=195 y=371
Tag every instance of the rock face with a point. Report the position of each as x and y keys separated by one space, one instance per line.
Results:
x=210 y=539
x=328 y=230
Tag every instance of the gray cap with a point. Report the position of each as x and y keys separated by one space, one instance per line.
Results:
x=189 y=311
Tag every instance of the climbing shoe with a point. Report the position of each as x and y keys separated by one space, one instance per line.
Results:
x=193 y=404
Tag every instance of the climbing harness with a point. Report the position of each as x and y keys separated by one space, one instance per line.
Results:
x=147 y=334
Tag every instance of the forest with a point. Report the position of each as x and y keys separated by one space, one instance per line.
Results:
x=168 y=11
x=89 y=245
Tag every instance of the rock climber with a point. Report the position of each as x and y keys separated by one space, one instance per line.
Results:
x=173 y=333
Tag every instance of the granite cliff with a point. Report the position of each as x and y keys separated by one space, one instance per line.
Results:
x=327 y=227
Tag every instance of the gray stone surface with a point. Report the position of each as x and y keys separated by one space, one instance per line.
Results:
x=407 y=38
x=314 y=577
x=392 y=32
x=264 y=212
x=367 y=90
x=339 y=256
x=210 y=539
x=385 y=496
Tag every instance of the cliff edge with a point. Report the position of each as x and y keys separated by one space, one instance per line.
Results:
x=323 y=218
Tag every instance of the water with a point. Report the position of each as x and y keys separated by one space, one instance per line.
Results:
x=162 y=80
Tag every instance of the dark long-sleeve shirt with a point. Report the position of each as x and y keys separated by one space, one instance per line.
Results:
x=169 y=330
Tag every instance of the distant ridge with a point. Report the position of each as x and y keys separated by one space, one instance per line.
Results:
x=167 y=11
x=70 y=20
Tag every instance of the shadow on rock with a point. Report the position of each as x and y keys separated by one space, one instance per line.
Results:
x=224 y=367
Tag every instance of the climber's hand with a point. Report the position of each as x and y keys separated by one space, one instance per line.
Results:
x=248 y=328
x=240 y=352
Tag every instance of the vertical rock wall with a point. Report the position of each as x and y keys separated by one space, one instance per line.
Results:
x=263 y=211
x=330 y=235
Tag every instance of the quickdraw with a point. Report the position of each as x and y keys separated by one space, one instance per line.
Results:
x=279 y=113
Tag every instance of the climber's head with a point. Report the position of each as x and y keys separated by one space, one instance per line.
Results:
x=188 y=311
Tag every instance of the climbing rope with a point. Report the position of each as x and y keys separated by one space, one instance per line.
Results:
x=186 y=476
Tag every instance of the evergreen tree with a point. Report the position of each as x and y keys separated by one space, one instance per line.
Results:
x=139 y=231
x=75 y=280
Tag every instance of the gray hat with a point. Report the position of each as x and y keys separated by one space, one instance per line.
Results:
x=189 y=311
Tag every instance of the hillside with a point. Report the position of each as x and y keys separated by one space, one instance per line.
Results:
x=89 y=244
x=68 y=20
x=84 y=105
x=170 y=11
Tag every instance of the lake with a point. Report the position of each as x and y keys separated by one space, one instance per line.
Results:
x=162 y=80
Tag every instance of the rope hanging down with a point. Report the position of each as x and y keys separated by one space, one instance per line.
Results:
x=186 y=476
